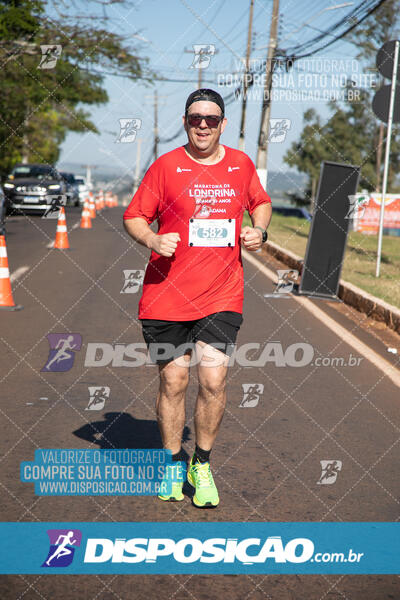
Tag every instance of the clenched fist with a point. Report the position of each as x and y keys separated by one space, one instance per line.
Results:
x=250 y=238
x=166 y=243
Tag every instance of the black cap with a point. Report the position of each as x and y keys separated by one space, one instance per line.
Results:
x=207 y=95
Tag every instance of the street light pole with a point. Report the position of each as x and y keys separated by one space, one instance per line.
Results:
x=245 y=82
x=261 y=162
x=387 y=156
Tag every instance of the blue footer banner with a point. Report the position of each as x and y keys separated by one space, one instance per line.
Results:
x=226 y=547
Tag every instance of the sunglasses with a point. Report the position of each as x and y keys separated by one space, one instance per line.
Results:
x=211 y=120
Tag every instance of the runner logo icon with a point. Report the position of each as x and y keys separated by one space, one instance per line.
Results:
x=202 y=211
x=133 y=280
x=357 y=205
x=62 y=547
x=278 y=129
x=330 y=470
x=62 y=351
x=53 y=209
x=286 y=280
x=128 y=130
x=98 y=397
x=50 y=55
x=202 y=55
x=251 y=394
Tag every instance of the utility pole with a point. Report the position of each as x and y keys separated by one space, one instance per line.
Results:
x=89 y=174
x=379 y=157
x=199 y=82
x=245 y=82
x=155 y=98
x=137 y=169
x=155 y=151
x=261 y=162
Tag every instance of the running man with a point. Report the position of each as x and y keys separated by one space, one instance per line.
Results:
x=98 y=396
x=193 y=286
x=63 y=345
x=54 y=206
x=132 y=281
x=331 y=470
x=62 y=549
x=251 y=396
x=286 y=281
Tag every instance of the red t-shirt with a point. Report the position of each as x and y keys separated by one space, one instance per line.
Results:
x=196 y=281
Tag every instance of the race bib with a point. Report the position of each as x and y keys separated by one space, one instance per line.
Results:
x=212 y=232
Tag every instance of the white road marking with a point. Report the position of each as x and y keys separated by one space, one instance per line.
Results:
x=50 y=245
x=18 y=273
x=376 y=359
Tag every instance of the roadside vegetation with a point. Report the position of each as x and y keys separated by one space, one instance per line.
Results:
x=359 y=261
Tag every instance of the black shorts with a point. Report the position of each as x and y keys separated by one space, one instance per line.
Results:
x=167 y=340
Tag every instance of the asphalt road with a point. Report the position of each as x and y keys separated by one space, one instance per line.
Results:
x=266 y=462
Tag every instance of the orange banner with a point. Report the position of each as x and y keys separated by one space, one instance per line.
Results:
x=367 y=220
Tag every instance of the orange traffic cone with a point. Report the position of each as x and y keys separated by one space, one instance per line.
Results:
x=61 y=241
x=86 y=221
x=6 y=297
x=92 y=207
x=98 y=204
x=115 y=200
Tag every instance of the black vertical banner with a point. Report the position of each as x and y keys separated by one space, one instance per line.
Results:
x=328 y=233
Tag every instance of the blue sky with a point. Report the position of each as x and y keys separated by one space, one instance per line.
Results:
x=166 y=29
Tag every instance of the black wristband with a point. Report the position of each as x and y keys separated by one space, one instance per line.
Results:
x=264 y=233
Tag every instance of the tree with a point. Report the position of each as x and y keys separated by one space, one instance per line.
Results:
x=352 y=134
x=380 y=27
x=307 y=154
x=39 y=106
x=349 y=136
x=369 y=37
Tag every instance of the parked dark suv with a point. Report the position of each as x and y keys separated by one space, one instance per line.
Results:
x=32 y=188
x=72 y=188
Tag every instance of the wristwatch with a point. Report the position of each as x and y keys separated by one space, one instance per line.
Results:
x=264 y=233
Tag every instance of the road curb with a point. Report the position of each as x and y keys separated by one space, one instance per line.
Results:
x=373 y=307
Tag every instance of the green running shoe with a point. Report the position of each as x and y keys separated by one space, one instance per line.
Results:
x=200 y=477
x=172 y=472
